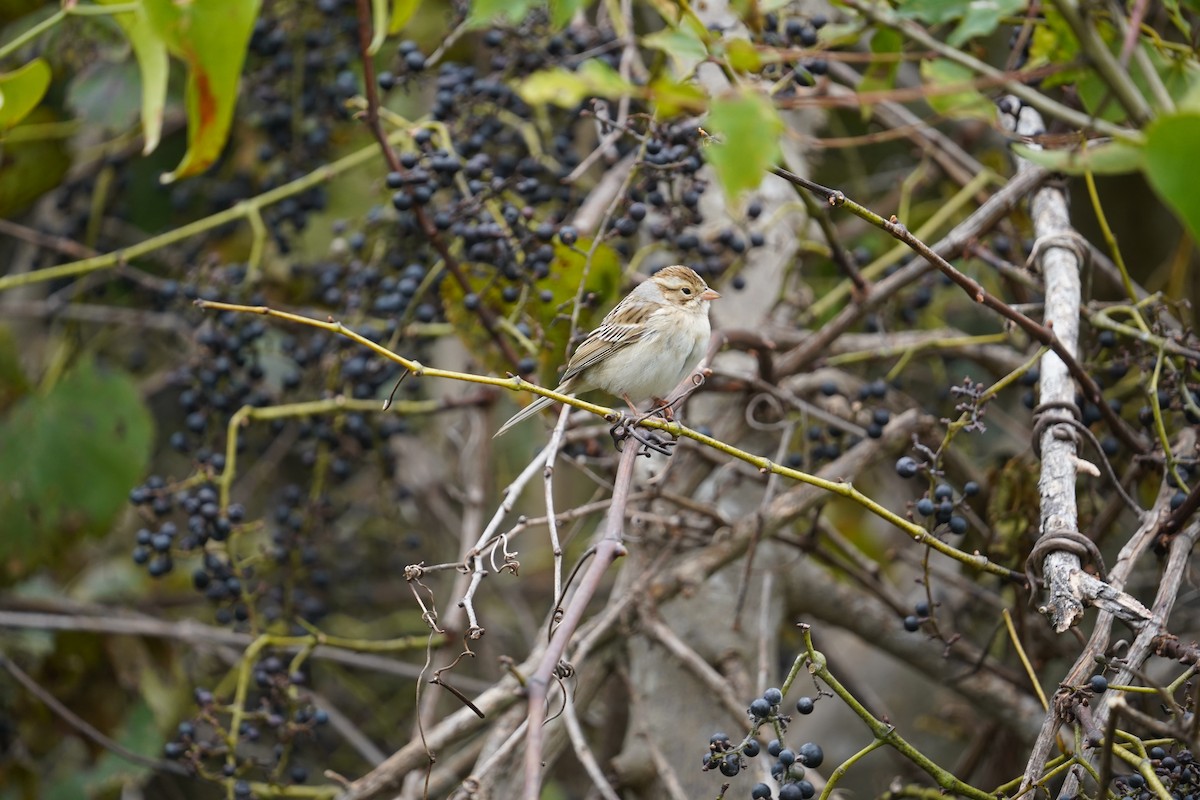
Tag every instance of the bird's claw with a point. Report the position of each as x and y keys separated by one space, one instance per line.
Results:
x=648 y=440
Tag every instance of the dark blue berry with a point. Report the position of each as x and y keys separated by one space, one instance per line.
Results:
x=811 y=755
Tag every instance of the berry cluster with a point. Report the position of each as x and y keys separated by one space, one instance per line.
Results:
x=788 y=768
x=827 y=442
x=279 y=704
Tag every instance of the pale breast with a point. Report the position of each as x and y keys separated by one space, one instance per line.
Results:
x=655 y=365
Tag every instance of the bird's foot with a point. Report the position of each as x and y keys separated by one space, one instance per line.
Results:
x=625 y=428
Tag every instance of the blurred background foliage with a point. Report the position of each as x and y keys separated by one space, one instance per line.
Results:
x=155 y=152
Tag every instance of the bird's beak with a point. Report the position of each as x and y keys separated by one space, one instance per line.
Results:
x=709 y=294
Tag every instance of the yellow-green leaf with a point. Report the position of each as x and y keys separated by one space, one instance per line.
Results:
x=211 y=38
x=565 y=88
x=746 y=130
x=951 y=92
x=681 y=45
x=379 y=25
x=561 y=11
x=672 y=97
x=484 y=12
x=21 y=90
x=153 y=66
x=402 y=12
x=743 y=56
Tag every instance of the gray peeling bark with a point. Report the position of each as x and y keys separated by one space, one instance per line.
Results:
x=1059 y=251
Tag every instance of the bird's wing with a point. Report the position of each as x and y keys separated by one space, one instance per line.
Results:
x=611 y=337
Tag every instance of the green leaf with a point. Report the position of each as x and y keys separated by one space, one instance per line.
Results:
x=685 y=49
x=747 y=128
x=562 y=11
x=1170 y=150
x=13 y=383
x=211 y=38
x=931 y=12
x=953 y=95
x=743 y=56
x=549 y=319
x=975 y=17
x=981 y=18
x=881 y=75
x=21 y=90
x=379 y=25
x=151 y=55
x=402 y=12
x=71 y=457
x=1109 y=158
x=672 y=97
x=565 y=88
x=32 y=166
x=566 y=273
x=99 y=97
x=485 y=12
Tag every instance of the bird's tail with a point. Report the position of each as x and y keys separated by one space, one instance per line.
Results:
x=524 y=414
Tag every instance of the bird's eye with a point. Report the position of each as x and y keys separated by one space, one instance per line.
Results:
x=686 y=291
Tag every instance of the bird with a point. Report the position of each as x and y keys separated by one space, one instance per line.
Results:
x=644 y=347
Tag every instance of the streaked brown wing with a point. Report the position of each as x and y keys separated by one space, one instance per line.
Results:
x=611 y=337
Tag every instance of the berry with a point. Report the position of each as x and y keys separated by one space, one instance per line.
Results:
x=925 y=507
x=805 y=705
x=761 y=791
x=787 y=757
x=774 y=747
x=907 y=467
x=773 y=696
x=790 y=791
x=958 y=525
x=970 y=488
x=730 y=765
x=760 y=709
x=751 y=748
x=912 y=623
x=811 y=755
x=1098 y=684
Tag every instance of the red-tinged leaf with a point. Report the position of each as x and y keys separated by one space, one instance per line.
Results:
x=211 y=38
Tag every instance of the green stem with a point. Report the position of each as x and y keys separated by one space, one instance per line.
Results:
x=243 y=210
x=333 y=405
x=883 y=15
x=844 y=767
x=516 y=383
x=885 y=733
x=33 y=32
